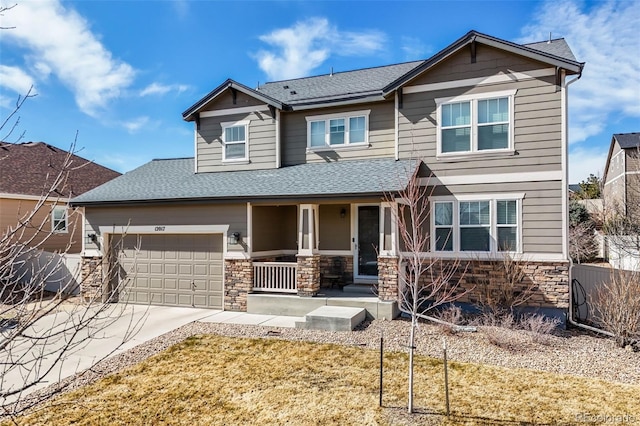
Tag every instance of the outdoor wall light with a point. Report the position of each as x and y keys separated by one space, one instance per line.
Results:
x=93 y=238
x=234 y=238
x=343 y=212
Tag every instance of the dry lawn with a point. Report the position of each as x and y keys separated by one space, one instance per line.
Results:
x=220 y=380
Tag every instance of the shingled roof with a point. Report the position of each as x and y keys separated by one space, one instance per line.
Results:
x=628 y=140
x=326 y=87
x=174 y=180
x=373 y=84
x=31 y=168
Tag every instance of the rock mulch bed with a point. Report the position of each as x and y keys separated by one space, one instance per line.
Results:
x=568 y=352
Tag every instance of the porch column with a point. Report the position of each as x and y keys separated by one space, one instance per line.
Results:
x=308 y=271
x=238 y=282
x=91 y=283
x=388 y=278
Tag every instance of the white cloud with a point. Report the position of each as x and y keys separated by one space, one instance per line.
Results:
x=605 y=36
x=15 y=79
x=160 y=89
x=585 y=161
x=60 y=41
x=414 y=49
x=307 y=44
x=133 y=126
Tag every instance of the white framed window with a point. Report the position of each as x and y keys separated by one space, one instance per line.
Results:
x=338 y=130
x=481 y=224
x=475 y=123
x=59 y=219
x=235 y=141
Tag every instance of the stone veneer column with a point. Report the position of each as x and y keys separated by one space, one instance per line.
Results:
x=388 y=278
x=308 y=275
x=238 y=282
x=91 y=285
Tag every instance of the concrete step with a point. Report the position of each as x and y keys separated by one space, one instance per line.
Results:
x=333 y=318
x=367 y=289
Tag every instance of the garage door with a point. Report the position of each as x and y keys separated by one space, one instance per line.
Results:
x=173 y=270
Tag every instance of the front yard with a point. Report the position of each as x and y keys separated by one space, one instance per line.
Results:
x=212 y=379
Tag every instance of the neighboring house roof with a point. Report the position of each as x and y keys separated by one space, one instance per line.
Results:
x=373 y=84
x=575 y=187
x=174 y=180
x=626 y=141
x=31 y=168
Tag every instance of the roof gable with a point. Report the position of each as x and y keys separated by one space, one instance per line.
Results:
x=374 y=84
x=628 y=140
x=625 y=141
x=546 y=55
x=189 y=114
x=31 y=168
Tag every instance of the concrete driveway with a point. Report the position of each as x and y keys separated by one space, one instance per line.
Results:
x=119 y=329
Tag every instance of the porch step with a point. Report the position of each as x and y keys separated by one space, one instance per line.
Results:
x=360 y=289
x=333 y=318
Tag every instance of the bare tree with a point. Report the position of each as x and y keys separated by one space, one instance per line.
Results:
x=616 y=306
x=425 y=282
x=39 y=330
x=503 y=287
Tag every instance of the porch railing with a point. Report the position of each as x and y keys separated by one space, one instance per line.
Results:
x=277 y=277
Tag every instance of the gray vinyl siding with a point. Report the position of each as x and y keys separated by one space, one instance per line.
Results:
x=381 y=138
x=234 y=215
x=614 y=187
x=225 y=101
x=541 y=210
x=261 y=137
x=489 y=61
x=537 y=130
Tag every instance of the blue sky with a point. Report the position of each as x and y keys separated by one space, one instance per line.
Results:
x=120 y=73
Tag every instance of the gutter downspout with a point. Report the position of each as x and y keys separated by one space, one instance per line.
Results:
x=570 y=318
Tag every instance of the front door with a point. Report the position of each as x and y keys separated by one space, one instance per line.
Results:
x=367 y=241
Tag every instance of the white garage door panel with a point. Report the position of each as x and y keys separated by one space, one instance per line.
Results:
x=175 y=270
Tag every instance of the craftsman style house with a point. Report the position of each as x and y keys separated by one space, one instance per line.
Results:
x=290 y=181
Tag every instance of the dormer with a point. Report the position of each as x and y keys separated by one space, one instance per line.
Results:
x=236 y=128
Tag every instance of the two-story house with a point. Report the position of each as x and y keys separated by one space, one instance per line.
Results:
x=621 y=179
x=291 y=175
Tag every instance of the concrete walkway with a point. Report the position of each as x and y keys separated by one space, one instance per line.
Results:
x=119 y=329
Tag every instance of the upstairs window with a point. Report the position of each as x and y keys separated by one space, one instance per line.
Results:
x=235 y=141
x=59 y=219
x=475 y=123
x=337 y=130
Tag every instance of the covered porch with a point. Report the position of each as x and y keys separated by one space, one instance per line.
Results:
x=331 y=253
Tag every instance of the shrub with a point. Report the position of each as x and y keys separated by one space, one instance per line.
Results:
x=539 y=327
x=616 y=306
x=453 y=316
